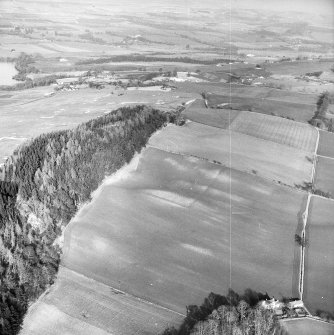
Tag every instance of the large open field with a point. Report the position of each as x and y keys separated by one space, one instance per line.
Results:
x=324 y=178
x=280 y=130
x=326 y=144
x=307 y=326
x=146 y=233
x=319 y=271
x=243 y=152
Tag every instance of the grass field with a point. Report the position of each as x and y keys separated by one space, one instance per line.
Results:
x=272 y=106
x=326 y=144
x=162 y=232
x=319 y=260
x=307 y=326
x=280 y=130
x=267 y=159
x=324 y=178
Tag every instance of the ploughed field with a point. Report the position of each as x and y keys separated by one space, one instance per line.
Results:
x=276 y=129
x=319 y=271
x=267 y=127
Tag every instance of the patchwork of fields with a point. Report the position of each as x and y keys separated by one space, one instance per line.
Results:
x=207 y=205
x=271 y=160
x=299 y=111
x=319 y=260
x=142 y=246
x=146 y=233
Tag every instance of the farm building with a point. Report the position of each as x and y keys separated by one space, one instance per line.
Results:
x=295 y=304
x=64 y=81
x=272 y=304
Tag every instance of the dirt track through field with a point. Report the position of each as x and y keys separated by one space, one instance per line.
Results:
x=305 y=219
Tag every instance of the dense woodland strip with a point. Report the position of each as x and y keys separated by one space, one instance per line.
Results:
x=321 y=119
x=44 y=184
x=143 y=58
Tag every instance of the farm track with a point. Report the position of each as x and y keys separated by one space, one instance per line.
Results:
x=327 y=157
x=305 y=219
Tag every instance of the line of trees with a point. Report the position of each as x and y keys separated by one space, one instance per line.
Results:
x=30 y=83
x=320 y=118
x=143 y=58
x=232 y=314
x=45 y=182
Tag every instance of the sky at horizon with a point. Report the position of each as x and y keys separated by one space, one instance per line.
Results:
x=315 y=7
